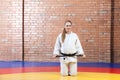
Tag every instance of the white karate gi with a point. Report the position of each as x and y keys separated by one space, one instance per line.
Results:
x=71 y=45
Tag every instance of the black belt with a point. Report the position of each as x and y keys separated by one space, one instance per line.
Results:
x=68 y=54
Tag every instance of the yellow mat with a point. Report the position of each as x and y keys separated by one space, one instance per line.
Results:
x=57 y=76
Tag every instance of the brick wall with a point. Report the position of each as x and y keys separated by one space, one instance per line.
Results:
x=117 y=31
x=10 y=30
x=44 y=20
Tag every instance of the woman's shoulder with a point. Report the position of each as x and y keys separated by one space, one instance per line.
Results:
x=60 y=35
x=74 y=34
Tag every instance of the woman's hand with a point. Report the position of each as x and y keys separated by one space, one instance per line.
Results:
x=84 y=56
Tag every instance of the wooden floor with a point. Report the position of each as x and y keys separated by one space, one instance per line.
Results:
x=57 y=76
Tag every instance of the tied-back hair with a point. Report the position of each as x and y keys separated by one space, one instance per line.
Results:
x=64 y=31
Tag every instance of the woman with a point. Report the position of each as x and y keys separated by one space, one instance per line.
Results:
x=68 y=45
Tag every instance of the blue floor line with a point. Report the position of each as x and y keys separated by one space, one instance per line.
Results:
x=16 y=64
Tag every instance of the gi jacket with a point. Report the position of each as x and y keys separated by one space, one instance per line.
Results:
x=70 y=45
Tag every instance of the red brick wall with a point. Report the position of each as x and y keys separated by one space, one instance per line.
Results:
x=117 y=31
x=10 y=29
x=44 y=20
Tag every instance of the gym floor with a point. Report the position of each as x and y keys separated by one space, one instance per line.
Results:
x=17 y=70
x=57 y=76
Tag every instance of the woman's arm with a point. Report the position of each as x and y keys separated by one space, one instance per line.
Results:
x=79 y=47
x=57 y=47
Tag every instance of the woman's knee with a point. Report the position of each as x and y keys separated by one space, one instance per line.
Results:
x=73 y=73
x=64 y=73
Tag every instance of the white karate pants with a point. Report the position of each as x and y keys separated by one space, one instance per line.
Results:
x=68 y=68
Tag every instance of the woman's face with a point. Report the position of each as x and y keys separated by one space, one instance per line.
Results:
x=68 y=27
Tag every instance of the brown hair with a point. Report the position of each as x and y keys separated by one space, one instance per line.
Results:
x=64 y=31
x=68 y=21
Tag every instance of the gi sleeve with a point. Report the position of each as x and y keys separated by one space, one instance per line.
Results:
x=57 y=46
x=79 y=46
